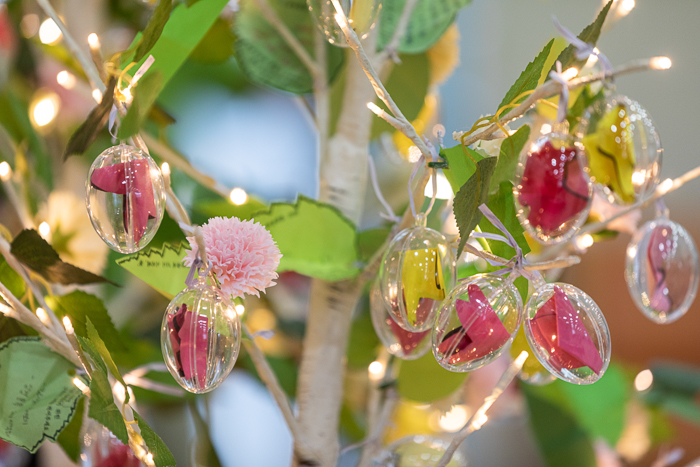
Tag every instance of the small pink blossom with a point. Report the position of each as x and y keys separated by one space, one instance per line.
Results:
x=243 y=254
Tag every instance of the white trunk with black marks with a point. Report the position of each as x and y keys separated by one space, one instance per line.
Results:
x=343 y=182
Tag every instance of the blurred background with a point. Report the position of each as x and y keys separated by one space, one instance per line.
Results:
x=262 y=142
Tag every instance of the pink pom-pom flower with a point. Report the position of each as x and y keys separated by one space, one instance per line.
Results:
x=243 y=254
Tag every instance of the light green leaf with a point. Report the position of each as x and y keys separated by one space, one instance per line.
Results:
x=154 y=28
x=315 y=239
x=468 y=199
x=429 y=21
x=79 y=306
x=156 y=447
x=225 y=208
x=161 y=268
x=102 y=406
x=217 y=45
x=589 y=35
x=11 y=279
x=267 y=59
x=99 y=344
x=508 y=157
x=503 y=206
x=70 y=440
x=407 y=85
x=37 y=395
x=461 y=162
x=144 y=97
x=529 y=78
x=424 y=380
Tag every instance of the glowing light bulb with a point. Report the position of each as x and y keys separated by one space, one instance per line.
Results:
x=97 y=95
x=43 y=317
x=165 y=169
x=78 y=383
x=93 y=41
x=444 y=190
x=240 y=309
x=479 y=420
x=44 y=109
x=238 y=196
x=413 y=154
x=665 y=186
x=44 y=229
x=643 y=380
x=570 y=73
x=119 y=391
x=453 y=420
x=5 y=171
x=546 y=128
x=584 y=241
x=49 y=32
x=376 y=370
x=65 y=79
x=626 y=6
x=68 y=325
x=661 y=63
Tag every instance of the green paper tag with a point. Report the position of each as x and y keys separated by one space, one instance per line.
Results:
x=37 y=395
x=161 y=268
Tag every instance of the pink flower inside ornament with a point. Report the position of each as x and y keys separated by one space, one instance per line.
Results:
x=568 y=333
x=662 y=270
x=553 y=192
x=477 y=321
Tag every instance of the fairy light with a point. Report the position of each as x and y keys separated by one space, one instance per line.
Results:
x=444 y=190
x=453 y=420
x=43 y=317
x=68 y=325
x=119 y=391
x=240 y=309
x=376 y=370
x=661 y=63
x=643 y=380
x=43 y=109
x=570 y=73
x=44 y=230
x=93 y=41
x=97 y=95
x=592 y=58
x=479 y=420
x=78 y=383
x=49 y=32
x=238 y=196
x=5 y=171
x=546 y=128
x=413 y=154
x=665 y=186
x=584 y=241
x=65 y=79
x=639 y=177
x=165 y=169
x=626 y=6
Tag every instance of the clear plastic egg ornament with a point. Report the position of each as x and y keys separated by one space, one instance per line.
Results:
x=568 y=333
x=417 y=271
x=417 y=451
x=477 y=321
x=100 y=448
x=125 y=198
x=406 y=345
x=200 y=338
x=532 y=371
x=623 y=150
x=552 y=191
x=662 y=270
x=361 y=14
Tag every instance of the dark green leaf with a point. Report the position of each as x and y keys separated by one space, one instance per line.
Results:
x=102 y=406
x=583 y=101
x=11 y=279
x=9 y=328
x=561 y=439
x=70 y=440
x=508 y=157
x=424 y=380
x=468 y=199
x=589 y=35
x=429 y=21
x=503 y=206
x=154 y=28
x=156 y=447
x=99 y=344
x=144 y=96
x=217 y=45
x=79 y=306
x=38 y=255
x=37 y=395
x=408 y=85
x=86 y=133
x=267 y=59
x=529 y=78
x=678 y=377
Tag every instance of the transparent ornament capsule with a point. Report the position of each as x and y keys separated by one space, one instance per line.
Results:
x=417 y=270
x=532 y=371
x=417 y=451
x=102 y=449
x=623 y=150
x=662 y=270
x=361 y=14
x=125 y=198
x=568 y=333
x=406 y=345
x=477 y=321
x=552 y=190
x=200 y=338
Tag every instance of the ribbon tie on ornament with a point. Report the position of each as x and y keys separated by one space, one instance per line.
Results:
x=564 y=97
x=416 y=167
x=583 y=49
x=196 y=268
x=137 y=76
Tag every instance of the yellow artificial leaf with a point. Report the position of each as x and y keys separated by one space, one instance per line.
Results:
x=422 y=278
x=425 y=116
x=444 y=56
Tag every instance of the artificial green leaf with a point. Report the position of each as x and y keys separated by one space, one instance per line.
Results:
x=407 y=85
x=589 y=35
x=429 y=21
x=467 y=200
x=38 y=255
x=601 y=407
x=154 y=28
x=87 y=132
x=11 y=279
x=79 y=306
x=528 y=79
x=461 y=161
x=101 y=348
x=424 y=380
x=161 y=268
x=315 y=239
x=37 y=395
x=156 y=447
x=70 y=440
x=145 y=94
x=102 y=407
x=583 y=101
x=217 y=45
x=503 y=207
x=181 y=34
x=267 y=58
x=225 y=208
x=369 y=241
x=561 y=439
x=508 y=157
